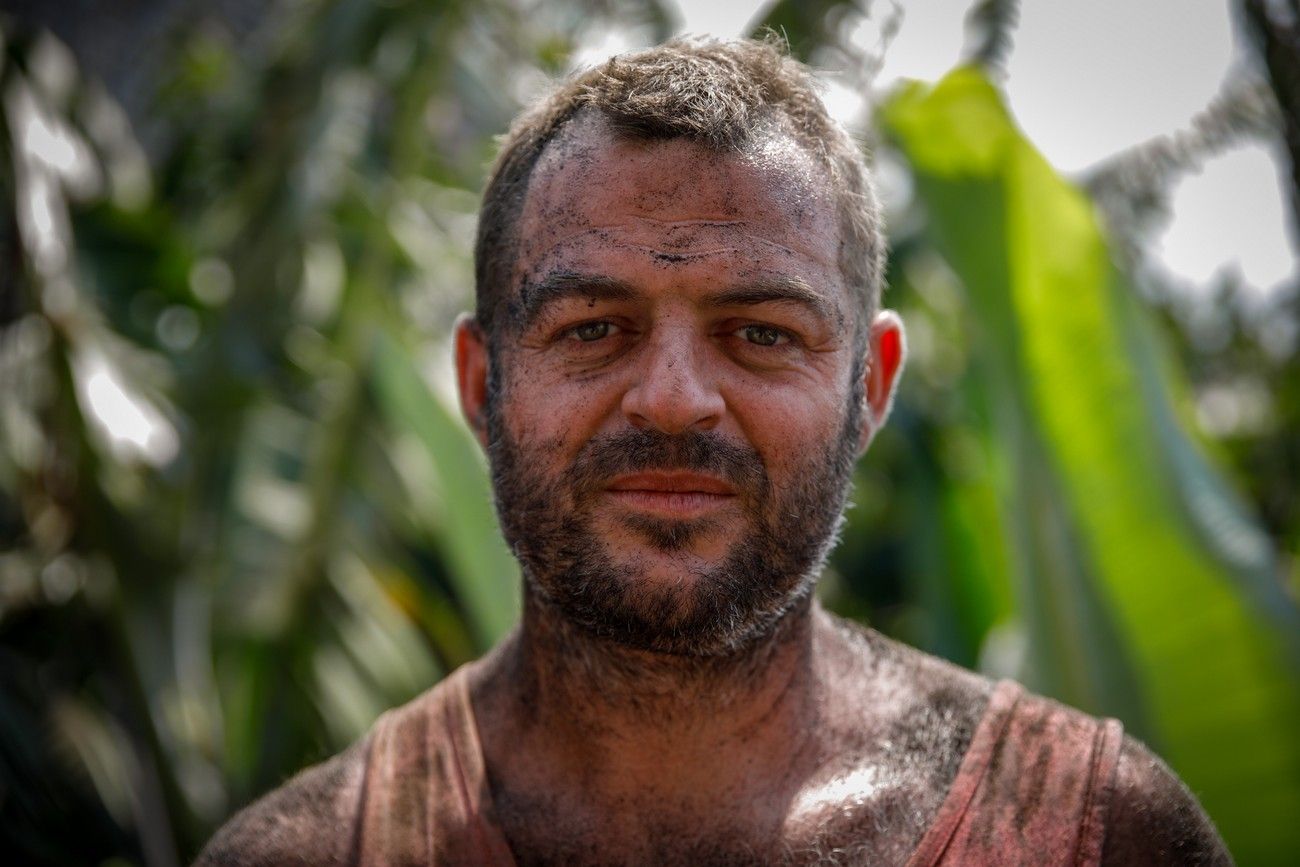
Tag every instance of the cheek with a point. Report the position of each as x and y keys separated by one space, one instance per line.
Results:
x=545 y=409
x=791 y=425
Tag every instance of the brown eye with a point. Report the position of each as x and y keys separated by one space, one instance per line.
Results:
x=763 y=335
x=590 y=331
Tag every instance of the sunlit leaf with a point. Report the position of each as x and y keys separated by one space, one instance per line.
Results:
x=1083 y=412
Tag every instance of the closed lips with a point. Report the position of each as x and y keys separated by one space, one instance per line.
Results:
x=673 y=483
x=672 y=495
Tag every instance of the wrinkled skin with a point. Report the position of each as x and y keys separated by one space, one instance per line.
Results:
x=677 y=393
x=678 y=310
x=673 y=695
x=693 y=323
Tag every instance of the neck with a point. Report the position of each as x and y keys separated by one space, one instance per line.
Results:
x=653 y=723
x=571 y=667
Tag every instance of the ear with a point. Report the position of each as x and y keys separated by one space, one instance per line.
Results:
x=886 y=349
x=471 y=374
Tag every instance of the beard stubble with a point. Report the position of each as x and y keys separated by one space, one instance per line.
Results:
x=713 y=611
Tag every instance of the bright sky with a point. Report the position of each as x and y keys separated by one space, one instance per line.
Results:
x=1088 y=79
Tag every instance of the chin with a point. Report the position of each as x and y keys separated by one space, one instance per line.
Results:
x=694 y=607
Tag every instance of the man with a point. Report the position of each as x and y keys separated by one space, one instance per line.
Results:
x=678 y=355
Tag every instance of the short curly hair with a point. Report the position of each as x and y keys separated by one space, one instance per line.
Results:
x=720 y=94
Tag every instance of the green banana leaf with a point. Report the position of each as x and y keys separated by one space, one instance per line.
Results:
x=485 y=573
x=1146 y=591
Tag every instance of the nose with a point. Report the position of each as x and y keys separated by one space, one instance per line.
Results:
x=675 y=389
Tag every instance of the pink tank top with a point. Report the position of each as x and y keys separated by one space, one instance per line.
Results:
x=1033 y=788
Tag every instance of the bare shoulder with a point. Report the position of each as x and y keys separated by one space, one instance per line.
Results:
x=1154 y=819
x=935 y=706
x=902 y=676
x=921 y=710
x=310 y=820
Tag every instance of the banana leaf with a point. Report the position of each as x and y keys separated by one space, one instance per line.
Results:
x=485 y=574
x=1142 y=582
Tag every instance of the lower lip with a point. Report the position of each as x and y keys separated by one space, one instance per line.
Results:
x=673 y=504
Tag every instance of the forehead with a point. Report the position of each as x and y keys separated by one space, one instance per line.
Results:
x=675 y=197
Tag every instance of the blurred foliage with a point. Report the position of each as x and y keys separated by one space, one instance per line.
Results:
x=239 y=516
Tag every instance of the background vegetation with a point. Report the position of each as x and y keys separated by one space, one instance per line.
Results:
x=238 y=517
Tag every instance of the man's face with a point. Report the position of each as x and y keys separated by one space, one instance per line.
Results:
x=680 y=403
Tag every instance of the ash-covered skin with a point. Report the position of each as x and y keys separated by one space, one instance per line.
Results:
x=607 y=233
x=771 y=734
x=860 y=785
x=867 y=797
x=768 y=733
x=676 y=245
x=577 y=205
x=722 y=607
x=794 y=738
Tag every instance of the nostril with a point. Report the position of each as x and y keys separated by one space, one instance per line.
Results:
x=675 y=388
x=672 y=406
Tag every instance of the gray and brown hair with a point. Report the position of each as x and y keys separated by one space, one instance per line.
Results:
x=719 y=94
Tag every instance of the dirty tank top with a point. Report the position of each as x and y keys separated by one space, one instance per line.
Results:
x=1033 y=788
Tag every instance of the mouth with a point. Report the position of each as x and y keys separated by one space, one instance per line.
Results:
x=679 y=495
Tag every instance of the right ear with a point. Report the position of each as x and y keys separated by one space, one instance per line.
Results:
x=471 y=374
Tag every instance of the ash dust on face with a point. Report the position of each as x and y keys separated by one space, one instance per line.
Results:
x=718 y=609
x=651 y=340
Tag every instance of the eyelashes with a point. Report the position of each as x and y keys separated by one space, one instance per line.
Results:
x=757 y=334
x=590 y=332
x=747 y=343
x=763 y=335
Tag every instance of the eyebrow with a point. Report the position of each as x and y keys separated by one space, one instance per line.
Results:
x=778 y=289
x=563 y=285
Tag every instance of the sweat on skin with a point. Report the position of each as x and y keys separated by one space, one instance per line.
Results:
x=698 y=301
x=672 y=403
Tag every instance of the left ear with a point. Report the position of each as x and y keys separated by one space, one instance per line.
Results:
x=886 y=349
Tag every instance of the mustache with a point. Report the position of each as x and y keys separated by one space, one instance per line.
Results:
x=633 y=451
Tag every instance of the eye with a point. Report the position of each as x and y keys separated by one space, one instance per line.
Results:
x=588 y=332
x=763 y=335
